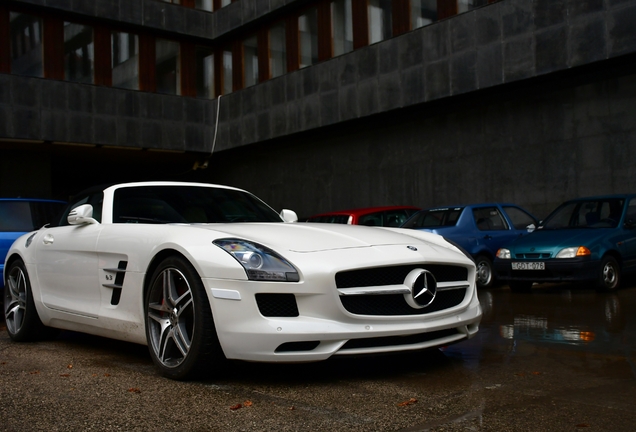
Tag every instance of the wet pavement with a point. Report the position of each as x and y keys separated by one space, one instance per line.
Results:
x=559 y=358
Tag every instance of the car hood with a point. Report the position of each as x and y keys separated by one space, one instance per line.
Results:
x=313 y=237
x=547 y=240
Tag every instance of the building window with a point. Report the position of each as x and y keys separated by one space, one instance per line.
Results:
x=172 y=1
x=204 y=70
x=250 y=61
x=125 y=60
x=225 y=3
x=466 y=5
x=423 y=13
x=26 y=45
x=205 y=5
x=78 y=53
x=341 y=27
x=277 y=50
x=167 y=67
x=380 y=16
x=227 y=72
x=308 y=32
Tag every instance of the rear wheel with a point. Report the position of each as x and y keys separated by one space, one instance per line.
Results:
x=609 y=277
x=520 y=286
x=485 y=276
x=180 y=330
x=21 y=317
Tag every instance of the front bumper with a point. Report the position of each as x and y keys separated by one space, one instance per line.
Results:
x=556 y=270
x=323 y=327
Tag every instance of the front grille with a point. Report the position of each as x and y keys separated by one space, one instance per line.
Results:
x=395 y=275
x=394 y=304
x=533 y=256
x=277 y=305
x=397 y=340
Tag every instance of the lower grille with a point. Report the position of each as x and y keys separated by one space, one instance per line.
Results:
x=394 y=304
x=277 y=305
x=532 y=255
x=398 y=340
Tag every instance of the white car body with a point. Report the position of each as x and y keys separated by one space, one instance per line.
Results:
x=74 y=271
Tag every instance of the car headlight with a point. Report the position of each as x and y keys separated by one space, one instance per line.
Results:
x=260 y=263
x=573 y=252
x=503 y=253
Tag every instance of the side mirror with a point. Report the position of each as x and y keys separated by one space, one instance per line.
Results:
x=81 y=215
x=289 y=215
x=531 y=228
x=630 y=224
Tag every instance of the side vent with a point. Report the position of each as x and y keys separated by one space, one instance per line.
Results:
x=119 y=274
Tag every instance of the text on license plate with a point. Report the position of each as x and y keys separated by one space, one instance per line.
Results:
x=528 y=266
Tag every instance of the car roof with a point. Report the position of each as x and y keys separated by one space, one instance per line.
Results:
x=487 y=204
x=365 y=210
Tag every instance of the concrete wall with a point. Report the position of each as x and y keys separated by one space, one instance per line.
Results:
x=533 y=146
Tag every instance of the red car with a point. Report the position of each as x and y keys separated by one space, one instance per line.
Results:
x=389 y=216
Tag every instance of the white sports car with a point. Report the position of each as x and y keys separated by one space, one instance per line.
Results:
x=200 y=272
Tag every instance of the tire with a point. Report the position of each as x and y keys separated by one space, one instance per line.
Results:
x=180 y=330
x=485 y=274
x=520 y=286
x=609 y=277
x=21 y=318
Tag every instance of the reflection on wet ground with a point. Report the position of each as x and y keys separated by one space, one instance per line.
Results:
x=558 y=317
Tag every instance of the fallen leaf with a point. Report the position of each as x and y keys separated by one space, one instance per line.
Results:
x=35 y=372
x=536 y=373
x=69 y=366
x=106 y=374
x=408 y=402
x=134 y=390
x=248 y=403
x=291 y=408
x=235 y=407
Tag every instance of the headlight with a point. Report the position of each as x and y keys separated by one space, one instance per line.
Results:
x=503 y=253
x=260 y=263
x=573 y=252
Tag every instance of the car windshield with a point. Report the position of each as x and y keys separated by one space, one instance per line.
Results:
x=188 y=204
x=598 y=213
x=434 y=218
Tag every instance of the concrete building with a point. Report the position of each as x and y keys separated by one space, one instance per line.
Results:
x=321 y=105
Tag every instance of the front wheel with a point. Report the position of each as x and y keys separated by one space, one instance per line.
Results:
x=180 y=330
x=609 y=276
x=21 y=317
x=485 y=275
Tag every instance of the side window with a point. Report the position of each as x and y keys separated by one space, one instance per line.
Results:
x=96 y=200
x=520 y=219
x=394 y=218
x=489 y=219
x=372 y=219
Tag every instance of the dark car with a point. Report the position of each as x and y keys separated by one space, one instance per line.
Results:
x=583 y=240
x=389 y=216
x=479 y=229
x=22 y=215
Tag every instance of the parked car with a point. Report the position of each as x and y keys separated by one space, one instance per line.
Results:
x=390 y=216
x=480 y=229
x=583 y=240
x=200 y=272
x=21 y=215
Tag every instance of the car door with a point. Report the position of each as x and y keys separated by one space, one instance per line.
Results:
x=67 y=264
x=493 y=230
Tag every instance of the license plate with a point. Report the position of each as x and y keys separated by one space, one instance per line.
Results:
x=528 y=266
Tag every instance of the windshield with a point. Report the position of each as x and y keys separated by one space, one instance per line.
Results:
x=443 y=217
x=600 y=213
x=188 y=204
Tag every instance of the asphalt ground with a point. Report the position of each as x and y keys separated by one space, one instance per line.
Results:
x=556 y=359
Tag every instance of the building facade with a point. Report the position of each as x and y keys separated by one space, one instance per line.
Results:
x=325 y=104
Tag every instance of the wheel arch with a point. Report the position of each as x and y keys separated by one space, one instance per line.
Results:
x=154 y=263
x=616 y=255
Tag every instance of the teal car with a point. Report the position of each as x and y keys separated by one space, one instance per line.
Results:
x=584 y=240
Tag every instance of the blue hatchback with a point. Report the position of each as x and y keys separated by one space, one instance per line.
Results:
x=22 y=215
x=479 y=229
x=584 y=240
